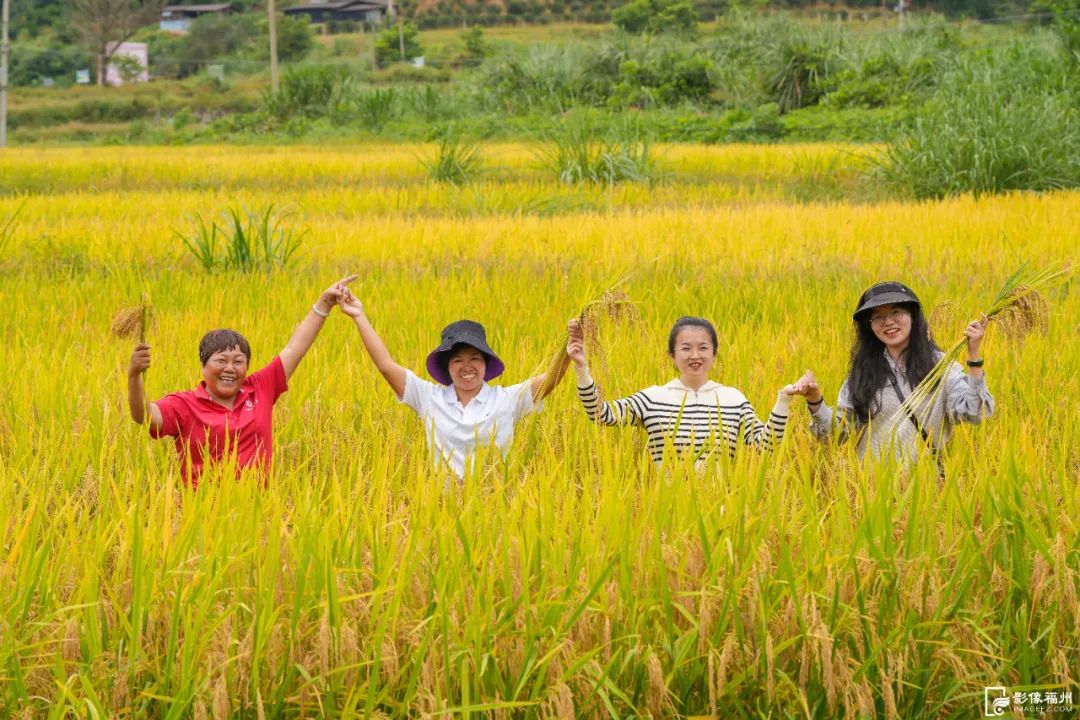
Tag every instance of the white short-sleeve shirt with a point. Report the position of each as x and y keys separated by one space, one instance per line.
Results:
x=455 y=434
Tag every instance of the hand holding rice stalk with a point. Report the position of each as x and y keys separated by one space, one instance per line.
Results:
x=1019 y=306
x=613 y=304
x=133 y=322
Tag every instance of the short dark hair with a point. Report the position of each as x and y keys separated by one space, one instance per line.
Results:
x=216 y=341
x=689 y=321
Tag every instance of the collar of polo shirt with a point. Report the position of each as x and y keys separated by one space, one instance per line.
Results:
x=204 y=394
x=481 y=397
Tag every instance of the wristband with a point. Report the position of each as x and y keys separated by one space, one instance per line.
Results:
x=975 y=363
x=315 y=309
x=816 y=403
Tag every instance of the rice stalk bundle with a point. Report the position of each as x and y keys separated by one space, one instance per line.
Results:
x=133 y=322
x=1019 y=306
x=612 y=305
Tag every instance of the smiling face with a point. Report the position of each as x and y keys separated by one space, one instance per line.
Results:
x=466 y=367
x=224 y=373
x=694 y=355
x=892 y=326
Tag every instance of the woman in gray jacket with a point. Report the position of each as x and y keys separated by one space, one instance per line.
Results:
x=893 y=352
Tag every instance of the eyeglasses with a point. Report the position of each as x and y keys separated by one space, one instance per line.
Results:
x=896 y=316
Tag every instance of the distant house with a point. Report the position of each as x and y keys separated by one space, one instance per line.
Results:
x=177 y=18
x=128 y=63
x=321 y=11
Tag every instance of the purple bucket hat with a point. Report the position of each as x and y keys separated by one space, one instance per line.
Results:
x=463 y=332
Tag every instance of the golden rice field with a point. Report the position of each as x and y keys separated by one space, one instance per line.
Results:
x=575 y=580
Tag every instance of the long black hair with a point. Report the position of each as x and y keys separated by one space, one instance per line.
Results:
x=869 y=371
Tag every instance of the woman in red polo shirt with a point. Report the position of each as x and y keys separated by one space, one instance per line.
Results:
x=230 y=411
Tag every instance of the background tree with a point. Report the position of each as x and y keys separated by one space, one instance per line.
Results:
x=656 y=16
x=389 y=41
x=104 y=24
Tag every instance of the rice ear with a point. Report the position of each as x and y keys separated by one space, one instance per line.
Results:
x=1020 y=297
x=134 y=322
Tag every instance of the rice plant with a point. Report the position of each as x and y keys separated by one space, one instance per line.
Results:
x=8 y=225
x=575 y=579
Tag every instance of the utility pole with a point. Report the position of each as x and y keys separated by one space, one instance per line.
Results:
x=272 y=19
x=5 y=47
x=392 y=12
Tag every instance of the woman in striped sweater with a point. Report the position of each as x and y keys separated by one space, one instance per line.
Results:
x=692 y=412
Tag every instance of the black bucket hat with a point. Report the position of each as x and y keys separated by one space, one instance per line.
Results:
x=885 y=293
x=463 y=332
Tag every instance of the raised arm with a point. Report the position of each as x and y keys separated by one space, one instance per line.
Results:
x=617 y=412
x=391 y=371
x=968 y=398
x=309 y=327
x=140 y=409
x=764 y=436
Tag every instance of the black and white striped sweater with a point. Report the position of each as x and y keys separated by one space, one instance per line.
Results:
x=714 y=416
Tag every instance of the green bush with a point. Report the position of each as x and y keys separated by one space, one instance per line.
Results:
x=669 y=78
x=576 y=153
x=309 y=91
x=402 y=73
x=549 y=77
x=803 y=65
x=33 y=62
x=656 y=16
x=211 y=38
x=1007 y=122
x=476 y=47
x=389 y=41
x=295 y=38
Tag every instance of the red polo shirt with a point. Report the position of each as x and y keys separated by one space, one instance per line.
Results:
x=204 y=429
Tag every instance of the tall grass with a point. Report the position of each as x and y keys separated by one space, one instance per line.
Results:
x=577 y=153
x=242 y=240
x=457 y=160
x=1008 y=123
x=575 y=580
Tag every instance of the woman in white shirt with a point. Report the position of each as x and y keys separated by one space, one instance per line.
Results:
x=463 y=415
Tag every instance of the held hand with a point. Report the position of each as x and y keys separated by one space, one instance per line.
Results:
x=331 y=295
x=809 y=385
x=974 y=332
x=349 y=304
x=575 y=343
x=806 y=386
x=140 y=360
